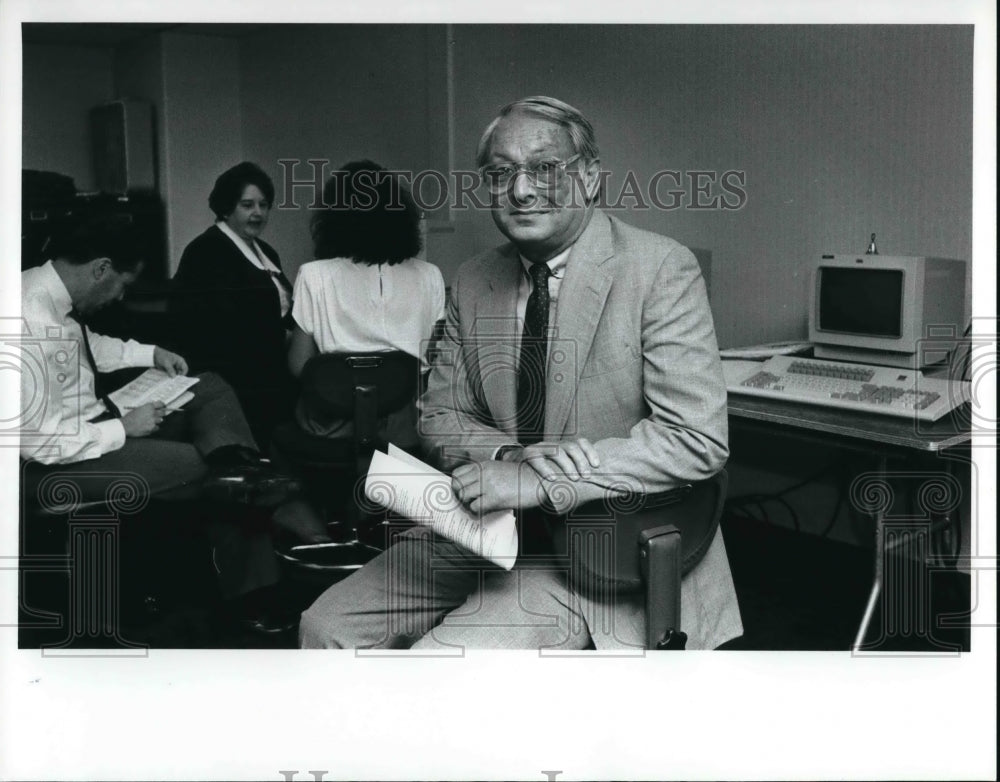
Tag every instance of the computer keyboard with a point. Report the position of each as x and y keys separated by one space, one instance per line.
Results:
x=884 y=390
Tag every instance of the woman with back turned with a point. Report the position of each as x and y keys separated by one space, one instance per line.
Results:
x=231 y=303
x=368 y=292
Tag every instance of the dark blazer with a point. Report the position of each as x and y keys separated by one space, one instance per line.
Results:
x=226 y=315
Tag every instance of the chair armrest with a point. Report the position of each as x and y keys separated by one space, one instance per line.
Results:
x=660 y=565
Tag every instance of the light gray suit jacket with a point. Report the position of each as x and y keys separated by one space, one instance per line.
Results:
x=633 y=361
x=633 y=367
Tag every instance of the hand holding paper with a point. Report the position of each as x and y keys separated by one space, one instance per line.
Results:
x=416 y=490
x=154 y=385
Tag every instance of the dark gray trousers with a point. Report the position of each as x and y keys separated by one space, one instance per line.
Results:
x=169 y=465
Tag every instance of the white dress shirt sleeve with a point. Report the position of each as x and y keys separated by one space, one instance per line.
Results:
x=111 y=353
x=53 y=429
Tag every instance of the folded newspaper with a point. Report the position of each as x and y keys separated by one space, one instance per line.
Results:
x=407 y=486
x=154 y=385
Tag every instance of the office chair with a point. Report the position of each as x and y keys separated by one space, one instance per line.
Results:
x=645 y=543
x=362 y=389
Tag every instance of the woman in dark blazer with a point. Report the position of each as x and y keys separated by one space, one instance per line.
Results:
x=231 y=303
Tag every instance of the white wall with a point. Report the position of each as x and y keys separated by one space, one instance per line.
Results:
x=840 y=130
x=139 y=74
x=61 y=85
x=337 y=93
x=202 y=130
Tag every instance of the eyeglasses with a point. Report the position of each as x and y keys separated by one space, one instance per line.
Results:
x=541 y=173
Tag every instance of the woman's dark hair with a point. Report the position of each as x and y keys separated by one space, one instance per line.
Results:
x=231 y=183
x=368 y=216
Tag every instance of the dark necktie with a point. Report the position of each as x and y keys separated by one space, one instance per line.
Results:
x=99 y=391
x=531 y=365
x=267 y=265
x=281 y=281
x=278 y=277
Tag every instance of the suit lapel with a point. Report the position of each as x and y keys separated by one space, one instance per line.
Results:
x=582 y=295
x=496 y=332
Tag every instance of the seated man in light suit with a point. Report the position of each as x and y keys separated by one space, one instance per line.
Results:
x=610 y=375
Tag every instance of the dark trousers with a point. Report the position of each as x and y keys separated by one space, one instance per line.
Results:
x=170 y=465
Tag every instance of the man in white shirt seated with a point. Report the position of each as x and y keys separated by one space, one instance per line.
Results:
x=70 y=426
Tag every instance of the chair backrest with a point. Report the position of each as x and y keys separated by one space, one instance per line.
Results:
x=602 y=539
x=359 y=387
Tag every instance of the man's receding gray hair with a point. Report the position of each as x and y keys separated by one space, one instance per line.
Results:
x=580 y=131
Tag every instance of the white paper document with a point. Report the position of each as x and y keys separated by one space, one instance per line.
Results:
x=154 y=385
x=407 y=486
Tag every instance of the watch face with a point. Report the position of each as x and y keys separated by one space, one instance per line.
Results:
x=504 y=450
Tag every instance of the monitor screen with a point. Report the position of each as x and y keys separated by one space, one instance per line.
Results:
x=861 y=301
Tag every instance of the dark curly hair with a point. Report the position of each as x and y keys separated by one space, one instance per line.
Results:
x=369 y=216
x=229 y=187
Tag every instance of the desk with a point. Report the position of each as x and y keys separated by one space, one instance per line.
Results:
x=880 y=436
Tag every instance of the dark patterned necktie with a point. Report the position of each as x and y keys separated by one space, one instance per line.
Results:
x=531 y=365
x=99 y=390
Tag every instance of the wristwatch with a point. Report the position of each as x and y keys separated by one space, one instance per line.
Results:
x=503 y=450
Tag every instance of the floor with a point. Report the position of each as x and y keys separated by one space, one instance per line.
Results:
x=796 y=592
x=801 y=592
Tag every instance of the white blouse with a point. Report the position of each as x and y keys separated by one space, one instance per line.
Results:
x=354 y=307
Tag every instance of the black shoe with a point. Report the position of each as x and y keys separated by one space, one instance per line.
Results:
x=235 y=456
x=269 y=623
x=262 y=612
x=258 y=485
x=297 y=522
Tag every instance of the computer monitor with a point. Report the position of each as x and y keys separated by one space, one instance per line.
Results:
x=875 y=309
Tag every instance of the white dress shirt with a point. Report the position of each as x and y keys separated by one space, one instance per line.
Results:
x=58 y=401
